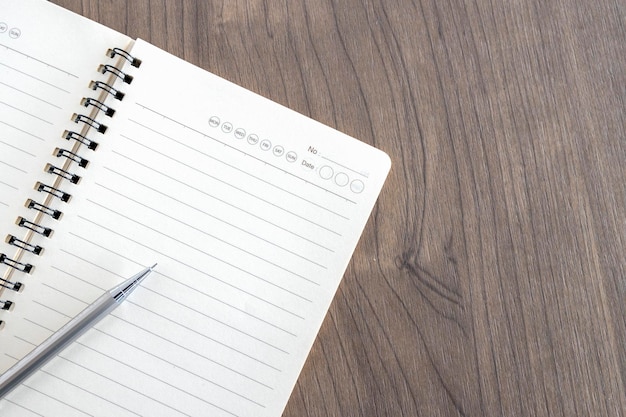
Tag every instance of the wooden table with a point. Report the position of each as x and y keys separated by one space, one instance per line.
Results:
x=491 y=278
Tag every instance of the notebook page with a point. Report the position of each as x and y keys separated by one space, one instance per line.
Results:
x=252 y=213
x=47 y=58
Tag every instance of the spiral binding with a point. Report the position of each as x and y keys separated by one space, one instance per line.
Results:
x=55 y=214
x=36 y=249
x=61 y=195
x=13 y=264
x=95 y=103
x=37 y=228
x=52 y=169
x=117 y=94
x=62 y=173
x=71 y=135
x=117 y=72
x=81 y=118
x=82 y=162
x=135 y=62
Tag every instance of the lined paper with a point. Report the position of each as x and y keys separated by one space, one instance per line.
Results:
x=252 y=212
x=32 y=99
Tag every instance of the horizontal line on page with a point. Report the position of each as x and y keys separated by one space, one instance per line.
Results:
x=189 y=246
x=31 y=95
x=39 y=60
x=188 y=266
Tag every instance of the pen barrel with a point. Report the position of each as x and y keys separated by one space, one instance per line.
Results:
x=55 y=343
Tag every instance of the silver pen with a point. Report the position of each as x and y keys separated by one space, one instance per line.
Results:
x=69 y=332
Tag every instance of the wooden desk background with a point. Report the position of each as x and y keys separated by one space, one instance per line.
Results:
x=490 y=280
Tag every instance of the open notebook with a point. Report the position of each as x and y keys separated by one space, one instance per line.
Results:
x=251 y=210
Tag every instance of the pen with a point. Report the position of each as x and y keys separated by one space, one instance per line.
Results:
x=69 y=332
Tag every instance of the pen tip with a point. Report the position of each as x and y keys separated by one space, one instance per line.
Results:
x=153 y=266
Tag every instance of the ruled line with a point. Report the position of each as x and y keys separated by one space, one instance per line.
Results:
x=39 y=325
x=189 y=287
x=204 y=232
x=204 y=336
x=189 y=246
x=238 y=208
x=22 y=130
x=119 y=383
x=14 y=167
x=25 y=341
x=52 y=398
x=76 y=277
x=36 y=78
x=2 y=203
x=39 y=60
x=22 y=405
x=52 y=309
x=240 y=310
x=206 y=213
x=193 y=352
x=162 y=381
x=26 y=113
x=180 y=368
x=229 y=326
x=32 y=96
x=9 y=185
x=64 y=293
x=87 y=391
x=17 y=149
x=192 y=267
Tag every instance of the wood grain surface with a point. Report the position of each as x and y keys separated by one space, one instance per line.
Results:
x=491 y=278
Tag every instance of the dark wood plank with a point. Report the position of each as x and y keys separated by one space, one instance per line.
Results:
x=491 y=277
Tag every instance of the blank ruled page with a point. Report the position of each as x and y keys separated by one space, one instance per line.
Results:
x=252 y=212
